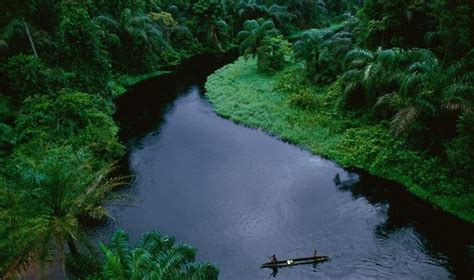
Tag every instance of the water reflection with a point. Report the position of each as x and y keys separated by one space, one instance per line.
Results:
x=441 y=236
x=236 y=194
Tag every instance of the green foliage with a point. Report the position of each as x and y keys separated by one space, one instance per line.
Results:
x=461 y=149
x=81 y=49
x=308 y=13
x=300 y=113
x=422 y=98
x=453 y=36
x=55 y=139
x=443 y=26
x=211 y=22
x=400 y=23
x=52 y=196
x=136 y=40
x=279 y=14
x=369 y=75
x=28 y=75
x=254 y=32
x=155 y=256
x=260 y=38
x=273 y=54
x=70 y=117
x=322 y=51
x=7 y=137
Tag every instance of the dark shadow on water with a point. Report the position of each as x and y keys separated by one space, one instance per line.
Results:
x=444 y=236
x=143 y=108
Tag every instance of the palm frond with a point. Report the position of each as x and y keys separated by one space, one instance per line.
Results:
x=404 y=119
x=358 y=54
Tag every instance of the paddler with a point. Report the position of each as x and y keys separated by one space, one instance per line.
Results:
x=274 y=259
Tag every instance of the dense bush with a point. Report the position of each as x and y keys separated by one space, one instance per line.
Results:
x=28 y=75
x=70 y=117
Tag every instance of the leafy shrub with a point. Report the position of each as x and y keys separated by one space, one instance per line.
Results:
x=304 y=99
x=72 y=117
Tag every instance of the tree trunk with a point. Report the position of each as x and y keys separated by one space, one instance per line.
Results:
x=72 y=247
x=30 y=39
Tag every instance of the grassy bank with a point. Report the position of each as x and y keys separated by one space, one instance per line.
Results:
x=287 y=107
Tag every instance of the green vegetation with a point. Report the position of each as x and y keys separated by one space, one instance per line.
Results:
x=160 y=255
x=154 y=257
x=314 y=118
x=386 y=87
x=373 y=92
x=61 y=65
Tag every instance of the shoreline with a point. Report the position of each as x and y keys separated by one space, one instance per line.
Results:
x=237 y=92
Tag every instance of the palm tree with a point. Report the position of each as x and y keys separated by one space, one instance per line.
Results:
x=420 y=92
x=56 y=196
x=249 y=9
x=253 y=34
x=154 y=257
x=322 y=52
x=369 y=75
x=142 y=39
x=428 y=90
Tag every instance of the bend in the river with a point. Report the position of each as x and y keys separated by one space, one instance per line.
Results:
x=238 y=195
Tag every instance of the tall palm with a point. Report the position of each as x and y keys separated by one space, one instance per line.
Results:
x=56 y=195
x=420 y=92
x=253 y=34
x=369 y=75
x=154 y=257
x=428 y=89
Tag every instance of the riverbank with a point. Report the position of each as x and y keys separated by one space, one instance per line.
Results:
x=309 y=117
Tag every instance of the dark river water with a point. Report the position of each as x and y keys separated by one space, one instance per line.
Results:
x=239 y=195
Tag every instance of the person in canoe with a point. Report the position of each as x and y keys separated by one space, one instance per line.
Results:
x=274 y=269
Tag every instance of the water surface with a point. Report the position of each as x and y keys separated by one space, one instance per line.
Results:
x=239 y=195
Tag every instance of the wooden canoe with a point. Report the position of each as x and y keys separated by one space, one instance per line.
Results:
x=293 y=262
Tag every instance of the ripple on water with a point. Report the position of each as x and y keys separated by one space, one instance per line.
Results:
x=239 y=195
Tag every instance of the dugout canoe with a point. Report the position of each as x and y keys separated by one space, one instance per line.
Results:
x=293 y=262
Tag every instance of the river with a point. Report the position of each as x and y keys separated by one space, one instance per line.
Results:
x=240 y=195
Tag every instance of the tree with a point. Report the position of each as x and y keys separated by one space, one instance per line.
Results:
x=253 y=34
x=309 y=13
x=46 y=209
x=369 y=75
x=273 y=54
x=322 y=51
x=259 y=38
x=28 y=75
x=452 y=36
x=279 y=14
x=211 y=23
x=397 y=23
x=81 y=49
x=135 y=40
x=71 y=117
x=154 y=257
